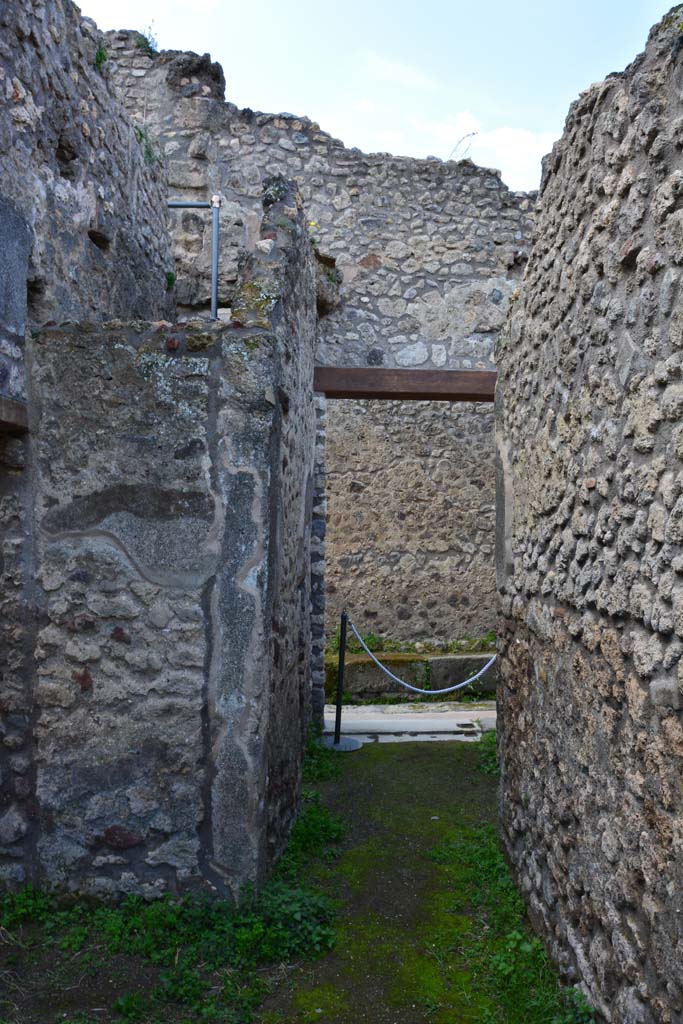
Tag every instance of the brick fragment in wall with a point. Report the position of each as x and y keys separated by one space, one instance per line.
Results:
x=589 y=548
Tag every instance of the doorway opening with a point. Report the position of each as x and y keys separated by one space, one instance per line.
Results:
x=409 y=531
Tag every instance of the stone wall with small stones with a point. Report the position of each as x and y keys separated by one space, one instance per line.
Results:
x=591 y=546
x=81 y=174
x=411 y=519
x=152 y=738
x=427 y=254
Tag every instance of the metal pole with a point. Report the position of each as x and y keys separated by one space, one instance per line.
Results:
x=216 y=208
x=340 y=677
x=179 y=204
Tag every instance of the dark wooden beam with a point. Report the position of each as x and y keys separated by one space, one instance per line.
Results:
x=406 y=385
x=13 y=416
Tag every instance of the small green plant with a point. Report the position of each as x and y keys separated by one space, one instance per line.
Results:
x=372 y=641
x=509 y=962
x=147 y=41
x=473 y=645
x=320 y=763
x=132 y=1007
x=207 y=955
x=314 y=829
x=488 y=754
x=170 y=280
x=275 y=189
x=149 y=148
x=100 y=58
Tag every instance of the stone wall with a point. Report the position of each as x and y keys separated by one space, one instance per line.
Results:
x=428 y=254
x=85 y=181
x=153 y=738
x=591 y=546
x=411 y=518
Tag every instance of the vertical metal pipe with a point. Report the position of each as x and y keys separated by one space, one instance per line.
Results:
x=215 y=211
x=340 y=677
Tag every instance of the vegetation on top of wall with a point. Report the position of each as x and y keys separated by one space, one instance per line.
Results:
x=147 y=41
x=376 y=643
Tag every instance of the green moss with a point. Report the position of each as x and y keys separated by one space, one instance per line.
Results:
x=253 y=305
x=357 y=864
x=432 y=925
x=201 y=341
x=319 y=1003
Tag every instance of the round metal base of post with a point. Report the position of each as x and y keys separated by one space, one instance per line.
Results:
x=345 y=745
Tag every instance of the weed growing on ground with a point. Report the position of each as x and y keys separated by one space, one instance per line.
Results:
x=508 y=963
x=320 y=763
x=488 y=754
x=204 y=955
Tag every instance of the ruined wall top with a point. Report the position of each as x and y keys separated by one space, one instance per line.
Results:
x=85 y=181
x=428 y=251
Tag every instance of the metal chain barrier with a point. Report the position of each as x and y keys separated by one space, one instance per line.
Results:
x=415 y=689
x=340 y=675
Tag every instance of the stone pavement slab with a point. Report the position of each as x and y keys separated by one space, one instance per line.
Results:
x=396 y=723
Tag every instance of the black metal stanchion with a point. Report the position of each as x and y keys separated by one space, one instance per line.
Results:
x=338 y=742
x=340 y=678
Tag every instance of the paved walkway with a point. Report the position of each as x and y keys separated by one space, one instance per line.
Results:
x=402 y=723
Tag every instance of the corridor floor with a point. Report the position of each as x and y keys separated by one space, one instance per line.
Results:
x=431 y=928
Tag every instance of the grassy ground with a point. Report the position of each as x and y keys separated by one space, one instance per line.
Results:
x=431 y=927
x=409 y=918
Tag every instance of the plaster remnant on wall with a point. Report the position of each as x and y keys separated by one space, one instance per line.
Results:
x=164 y=700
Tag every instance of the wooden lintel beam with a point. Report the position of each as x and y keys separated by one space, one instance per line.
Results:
x=406 y=385
x=13 y=416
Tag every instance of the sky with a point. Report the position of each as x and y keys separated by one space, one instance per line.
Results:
x=449 y=78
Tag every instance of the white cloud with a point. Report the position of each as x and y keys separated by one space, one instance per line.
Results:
x=375 y=127
x=395 y=72
x=516 y=152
